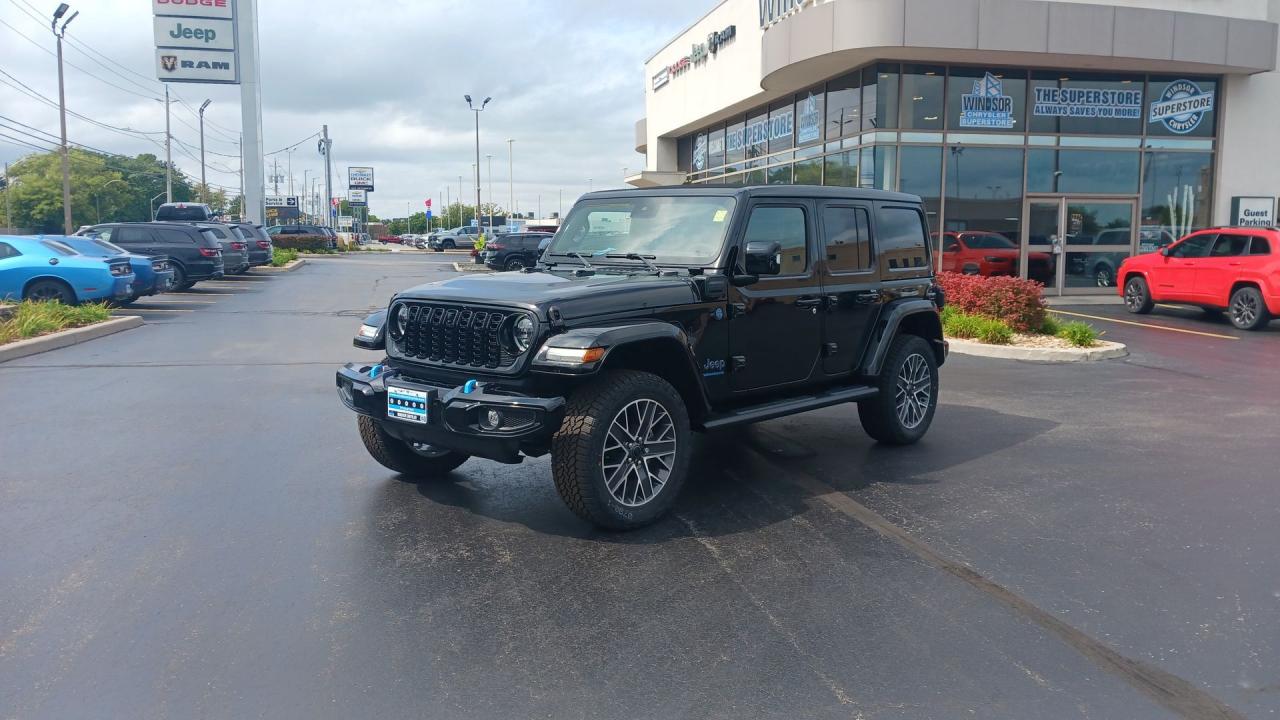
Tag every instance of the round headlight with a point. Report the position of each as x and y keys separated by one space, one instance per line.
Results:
x=402 y=320
x=522 y=333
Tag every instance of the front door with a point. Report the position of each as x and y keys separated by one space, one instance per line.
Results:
x=851 y=295
x=775 y=329
x=1075 y=245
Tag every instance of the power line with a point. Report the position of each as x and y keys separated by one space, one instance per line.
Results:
x=290 y=147
x=16 y=141
x=77 y=67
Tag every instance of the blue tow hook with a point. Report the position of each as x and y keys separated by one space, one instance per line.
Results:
x=468 y=387
x=375 y=371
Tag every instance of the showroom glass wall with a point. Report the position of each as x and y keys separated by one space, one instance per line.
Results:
x=975 y=141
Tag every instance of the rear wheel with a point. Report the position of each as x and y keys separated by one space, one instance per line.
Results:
x=1247 y=310
x=410 y=459
x=622 y=453
x=1137 y=296
x=448 y=245
x=1104 y=275
x=180 y=281
x=900 y=414
x=50 y=291
x=515 y=263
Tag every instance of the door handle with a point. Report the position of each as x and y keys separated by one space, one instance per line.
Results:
x=867 y=297
x=808 y=302
x=1235 y=264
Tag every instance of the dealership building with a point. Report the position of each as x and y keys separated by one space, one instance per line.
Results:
x=1085 y=131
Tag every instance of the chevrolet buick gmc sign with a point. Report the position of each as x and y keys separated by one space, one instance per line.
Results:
x=360 y=178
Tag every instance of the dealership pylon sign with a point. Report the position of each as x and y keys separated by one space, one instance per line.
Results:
x=196 y=41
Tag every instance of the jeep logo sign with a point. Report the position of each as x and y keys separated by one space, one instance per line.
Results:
x=183 y=32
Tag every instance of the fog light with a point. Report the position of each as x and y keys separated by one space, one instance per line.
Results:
x=491 y=419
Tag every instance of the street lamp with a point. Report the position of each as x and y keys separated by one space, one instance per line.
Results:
x=62 y=112
x=511 y=175
x=477 y=111
x=491 y=194
x=204 y=185
x=97 y=197
x=152 y=204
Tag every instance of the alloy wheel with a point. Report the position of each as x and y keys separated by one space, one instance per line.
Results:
x=1133 y=295
x=46 y=292
x=1244 y=309
x=914 y=391
x=639 y=452
x=1104 y=277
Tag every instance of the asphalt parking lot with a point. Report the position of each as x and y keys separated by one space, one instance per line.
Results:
x=190 y=527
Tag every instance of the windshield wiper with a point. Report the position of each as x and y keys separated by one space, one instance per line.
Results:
x=642 y=258
x=576 y=256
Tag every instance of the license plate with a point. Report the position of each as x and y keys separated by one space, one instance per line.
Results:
x=407 y=405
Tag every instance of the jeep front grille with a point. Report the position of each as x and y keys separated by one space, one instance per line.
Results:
x=455 y=335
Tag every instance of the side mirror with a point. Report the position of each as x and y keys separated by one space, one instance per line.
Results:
x=1164 y=251
x=763 y=258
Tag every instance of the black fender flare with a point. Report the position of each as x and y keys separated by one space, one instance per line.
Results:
x=919 y=312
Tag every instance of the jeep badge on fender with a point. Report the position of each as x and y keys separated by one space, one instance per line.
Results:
x=653 y=314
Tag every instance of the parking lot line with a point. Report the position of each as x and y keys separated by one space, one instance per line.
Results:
x=1145 y=325
x=181 y=300
x=129 y=311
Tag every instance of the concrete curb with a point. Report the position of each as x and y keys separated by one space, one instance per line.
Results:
x=288 y=267
x=472 y=267
x=1108 y=351
x=67 y=338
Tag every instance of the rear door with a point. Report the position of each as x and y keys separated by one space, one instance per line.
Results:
x=135 y=238
x=849 y=277
x=1220 y=268
x=775 y=331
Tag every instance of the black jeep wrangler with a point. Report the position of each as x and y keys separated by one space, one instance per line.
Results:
x=654 y=313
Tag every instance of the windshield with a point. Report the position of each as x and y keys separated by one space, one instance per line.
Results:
x=681 y=230
x=988 y=242
x=190 y=212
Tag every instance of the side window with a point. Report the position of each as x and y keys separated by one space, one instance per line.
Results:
x=1193 y=247
x=1229 y=246
x=176 y=237
x=848 y=238
x=785 y=226
x=8 y=251
x=218 y=233
x=105 y=233
x=951 y=244
x=130 y=235
x=1259 y=246
x=901 y=238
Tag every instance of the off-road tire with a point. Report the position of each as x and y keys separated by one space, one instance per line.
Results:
x=1137 y=296
x=879 y=415
x=1248 y=311
x=394 y=454
x=577 y=448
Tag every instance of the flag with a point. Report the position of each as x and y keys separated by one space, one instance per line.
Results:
x=428 y=203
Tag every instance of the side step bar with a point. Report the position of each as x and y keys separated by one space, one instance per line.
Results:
x=789 y=406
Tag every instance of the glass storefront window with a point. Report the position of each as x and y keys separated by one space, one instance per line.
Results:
x=838 y=171
x=809 y=172
x=700 y=152
x=1177 y=192
x=780 y=174
x=1082 y=171
x=1086 y=103
x=987 y=99
x=922 y=96
x=715 y=148
x=920 y=173
x=844 y=106
x=735 y=150
x=1181 y=106
x=781 y=114
x=984 y=190
x=757 y=142
x=810 y=116
x=880 y=97
x=684 y=153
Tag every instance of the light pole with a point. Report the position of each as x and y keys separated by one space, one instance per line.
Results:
x=152 y=204
x=62 y=113
x=477 y=111
x=491 y=194
x=97 y=198
x=290 y=171
x=511 y=175
x=204 y=185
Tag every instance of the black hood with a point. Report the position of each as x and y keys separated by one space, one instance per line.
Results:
x=575 y=295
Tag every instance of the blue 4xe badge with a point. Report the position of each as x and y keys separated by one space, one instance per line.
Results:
x=712 y=368
x=718 y=314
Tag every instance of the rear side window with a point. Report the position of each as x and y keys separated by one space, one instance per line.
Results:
x=217 y=233
x=8 y=251
x=130 y=235
x=173 y=235
x=1229 y=246
x=1259 y=246
x=900 y=236
x=848 y=238
x=210 y=235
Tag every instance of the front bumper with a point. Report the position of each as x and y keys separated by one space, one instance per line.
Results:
x=454 y=414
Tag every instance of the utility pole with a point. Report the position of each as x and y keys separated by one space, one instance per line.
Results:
x=240 y=144
x=275 y=176
x=327 y=146
x=460 y=196
x=289 y=161
x=62 y=113
x=8 y=207
x=491 y=194
x=511 y=182
x=168 y=150
x=448 y=204
x=204 y=184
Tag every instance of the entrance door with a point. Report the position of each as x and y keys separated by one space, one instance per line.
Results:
x=1075 y=245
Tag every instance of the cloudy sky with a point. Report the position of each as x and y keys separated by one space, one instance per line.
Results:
x=388 y=77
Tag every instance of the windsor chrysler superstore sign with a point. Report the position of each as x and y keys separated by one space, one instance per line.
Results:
x=698 y=55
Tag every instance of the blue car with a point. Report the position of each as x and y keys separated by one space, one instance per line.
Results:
x=46 y=268
x=153 y=274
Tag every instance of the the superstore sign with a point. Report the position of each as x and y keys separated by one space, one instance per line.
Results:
x=1088 y=103
x=760 y=132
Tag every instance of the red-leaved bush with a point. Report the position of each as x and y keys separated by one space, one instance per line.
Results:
x=1020 y=303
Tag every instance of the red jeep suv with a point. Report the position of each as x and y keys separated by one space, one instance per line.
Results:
x=1236 y=270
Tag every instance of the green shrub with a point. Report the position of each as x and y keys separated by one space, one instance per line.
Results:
x=1078 y=333
x=40 y=318
x=280 y=258
x=309 y=243
x=1051 y=325
x=995 y=332
x=962 y=325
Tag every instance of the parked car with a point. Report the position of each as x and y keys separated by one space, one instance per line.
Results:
x=299 y=229
x=235 y=248
x=989 y=253
x=458 y=238
x=44 y=267
x=153 y=274
x=514 y=251
x=699 y=308
x=194 y=254
x=260 y=248
x=1232 y=270
x=185 y=212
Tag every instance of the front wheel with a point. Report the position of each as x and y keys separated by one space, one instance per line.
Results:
x=902 y=411
x=622 y=452
x=515 y=263
x=410 y=460
x=1104 y=276
x=449 y=245
x=1248 y=311
x=1137 y=296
